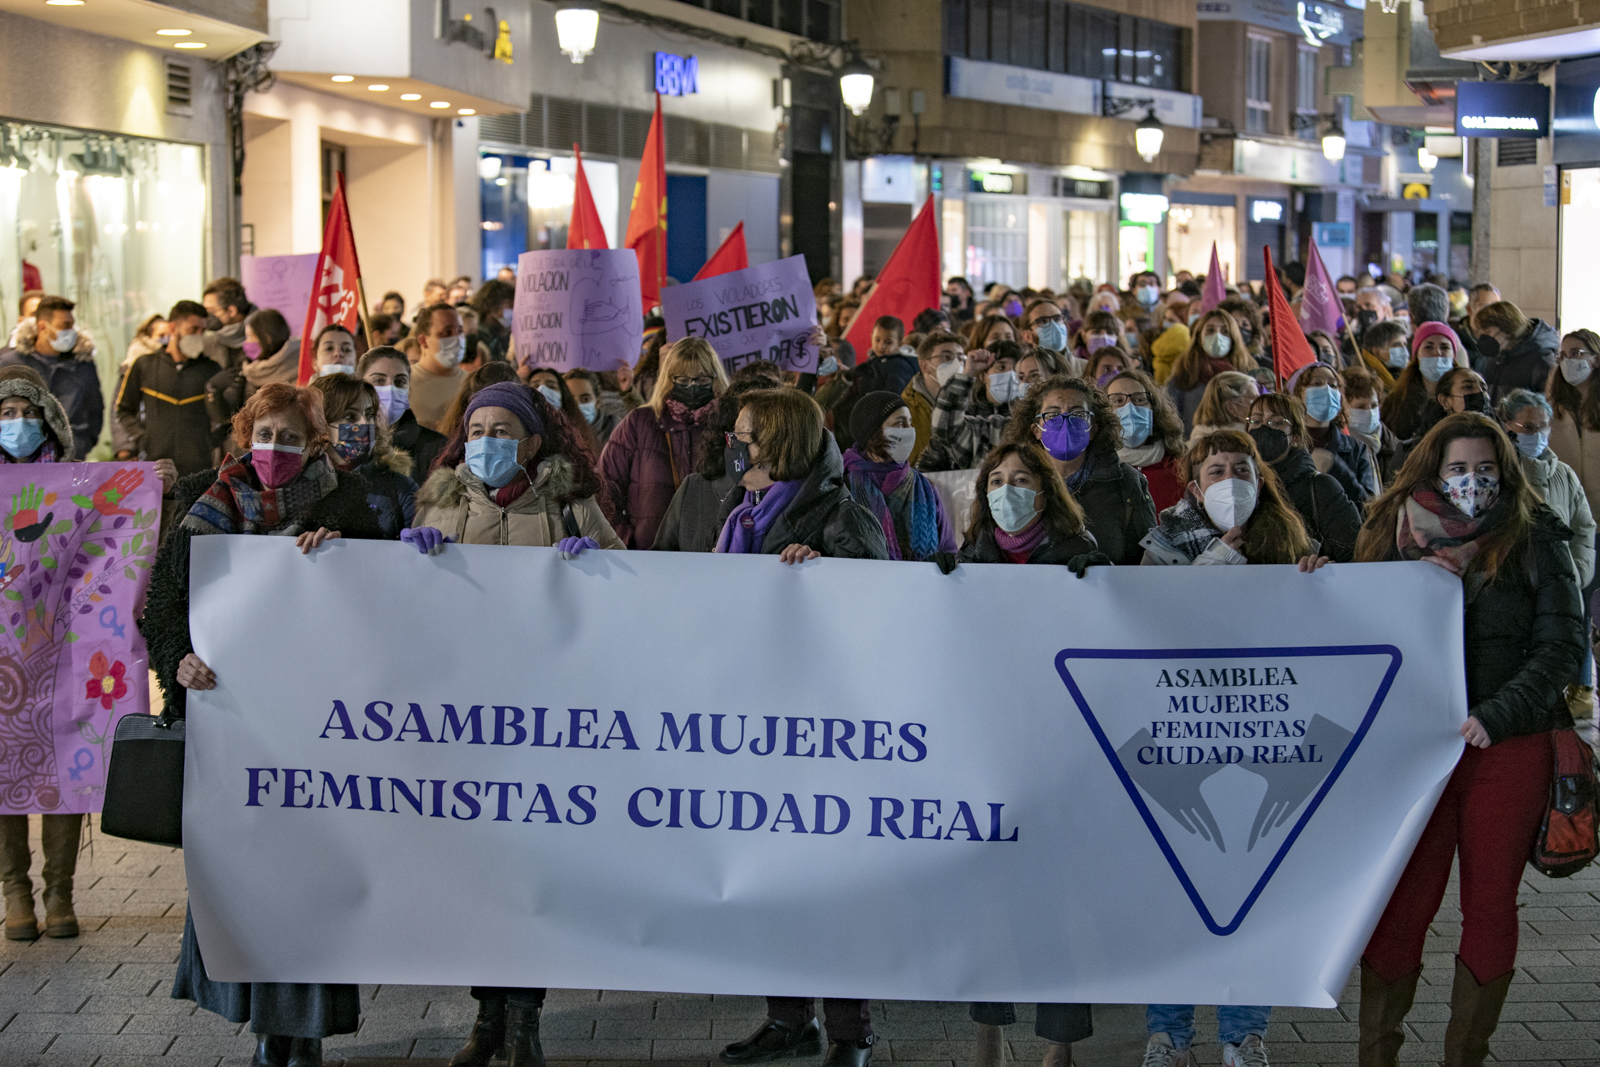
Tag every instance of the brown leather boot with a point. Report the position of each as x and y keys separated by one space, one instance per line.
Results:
x=1474 y=1014
x=60 y=846
x=14 y=860
x=1382 y=1020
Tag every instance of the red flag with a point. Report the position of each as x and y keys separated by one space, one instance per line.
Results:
x=336 y=288
x=585 y=230
x=647 y=221
x=1216 y=290
x=1290 y=349
x=907 y=285
x=730 y=255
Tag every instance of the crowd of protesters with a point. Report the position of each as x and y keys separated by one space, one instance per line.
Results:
x=1093 y=427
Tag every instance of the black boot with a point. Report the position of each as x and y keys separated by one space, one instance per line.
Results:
x=850 y=1053
x=488 y=1035
x=774 y=1041
x=271 y=1051
x=305 y=1052
x=522 y=1038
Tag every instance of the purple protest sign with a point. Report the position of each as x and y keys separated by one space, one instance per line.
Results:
x=282 y=283
x=761 y=312
x=76 y=544
x=578 y=308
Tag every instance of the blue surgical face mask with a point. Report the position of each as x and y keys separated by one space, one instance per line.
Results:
x=1399 y=356
x=1136 y=424
x=827 y=367
x=1051 y=335
x=1012 y=507
x=590 y=411
x=1531 y=445
x=552 y=395
x=1322 y=402
x=21 y=437
x=1433 y=367
x=493 y=460
x=1365 y=420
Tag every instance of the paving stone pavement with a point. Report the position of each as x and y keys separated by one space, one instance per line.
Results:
x=101 y=999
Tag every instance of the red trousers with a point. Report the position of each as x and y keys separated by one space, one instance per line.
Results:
x=1490 y=812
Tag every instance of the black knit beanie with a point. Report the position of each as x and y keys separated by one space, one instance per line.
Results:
x=870 y=413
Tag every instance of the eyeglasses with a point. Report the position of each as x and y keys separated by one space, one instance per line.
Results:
x=1048 y=318
x=1275 y=422
x=1122 y=400
x=704 y=379
x=1578 y=353
x=1053 y=418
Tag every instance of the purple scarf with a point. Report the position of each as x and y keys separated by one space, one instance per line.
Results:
x=748 y=523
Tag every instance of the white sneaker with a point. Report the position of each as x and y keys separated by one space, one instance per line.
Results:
x=1250 y=1052
x=1158 y=1052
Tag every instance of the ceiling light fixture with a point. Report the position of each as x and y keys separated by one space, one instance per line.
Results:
x=344 y=78
x=466 y=111
x=440 y=104
x=63 y=3
x=377 y=87
x=189 y=44
x=174 y=33
x=411 y=96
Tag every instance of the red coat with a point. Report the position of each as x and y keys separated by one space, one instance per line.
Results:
x=1165 y=489
x=639 y=472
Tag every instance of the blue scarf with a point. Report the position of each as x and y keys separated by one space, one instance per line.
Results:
x=896 y=495
x=748 y=523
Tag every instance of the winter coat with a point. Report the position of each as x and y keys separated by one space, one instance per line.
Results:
x=1165 y=352
x=1160 y=475
x=964 y=427
x=822 y=515
x=1557 y=485
x=391 y=493
x=225 y=345
x=1331 y=518
x=1117 y=510
x=920 y=401
x=455 y=501
x=1187 y=401
x=423 y=444
x=1387 y=450
x=1525 y=363
x=1352 y=466
x=888 y=374
x=643 y=464
x=72 y=379
x=1525 y=636
x=1579 y=449
x=165 y=623
x=174 y=424
x=607 y=417
x=1065 y=553
x=121 y=444
x=232 y=386
x=692 y=521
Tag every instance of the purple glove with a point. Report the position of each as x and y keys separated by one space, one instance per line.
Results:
x=426 y=539
x=571 y=546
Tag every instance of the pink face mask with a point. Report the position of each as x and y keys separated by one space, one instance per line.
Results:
x=252 y=350
x=277 y=465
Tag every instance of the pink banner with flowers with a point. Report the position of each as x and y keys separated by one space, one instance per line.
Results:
x=77 y=541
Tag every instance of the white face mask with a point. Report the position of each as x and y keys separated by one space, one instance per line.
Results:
x=1399 y=355
x=902 y=439
x=1576 y=371
x=1364 y=420
x=1004 y=386
x=336 y=368
x=947 y=371
x=1230 y=502
x=63 y=341
x=450 y=351
x=192 y=346
x=1217 y=345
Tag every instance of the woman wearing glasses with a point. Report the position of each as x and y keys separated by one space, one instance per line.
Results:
x=1152 y=434
x=1079 y=429
x=655 y=446
x=1322 y=390
x=1278 y=427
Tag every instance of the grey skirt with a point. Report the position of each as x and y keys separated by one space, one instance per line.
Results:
x=286 y=1009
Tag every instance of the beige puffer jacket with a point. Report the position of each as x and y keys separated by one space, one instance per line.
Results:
x=456 y=502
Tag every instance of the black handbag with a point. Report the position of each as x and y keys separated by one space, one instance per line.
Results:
x=144 y=781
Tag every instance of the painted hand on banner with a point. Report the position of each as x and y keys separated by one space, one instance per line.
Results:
x=25 y=521
x=1289 y=784
x=114 y=490
x=1175 y=787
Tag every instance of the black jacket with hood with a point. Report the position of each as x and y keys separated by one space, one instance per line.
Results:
x=1117 y=509
x=1330 y=516
x=822 y=515
x=1523 y=364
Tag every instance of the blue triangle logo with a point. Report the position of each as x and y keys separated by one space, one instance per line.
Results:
x=1227 y=753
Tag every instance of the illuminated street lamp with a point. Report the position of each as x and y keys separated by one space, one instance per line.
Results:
x=576 y=28
x=855 y=85
x=1148 y=135
x=1333 y=144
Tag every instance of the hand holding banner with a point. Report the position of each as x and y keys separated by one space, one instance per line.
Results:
x=762 y=312
x=577 y=308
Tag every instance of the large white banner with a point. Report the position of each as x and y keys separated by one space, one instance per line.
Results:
x=682 y=772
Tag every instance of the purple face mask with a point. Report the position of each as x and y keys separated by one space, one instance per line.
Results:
x=1065 y=438
x=1106 y=377
x=1013 y=308
x=1098 y=340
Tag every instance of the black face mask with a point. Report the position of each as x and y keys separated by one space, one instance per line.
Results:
x=1272 y=444
x=692 y=396
x=1488 y=347
x=736 y=460
x=1478 y=402
x=1365 y=320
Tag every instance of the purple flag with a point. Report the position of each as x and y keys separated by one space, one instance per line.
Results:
x=1216 y=290
x=76 y=544
x=1319 y=303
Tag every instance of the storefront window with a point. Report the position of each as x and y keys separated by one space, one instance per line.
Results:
x=527 y=203
x=997 y=242
x=116 y=224
x=1191 y=228
x=1580 y=221
x=1085 y=244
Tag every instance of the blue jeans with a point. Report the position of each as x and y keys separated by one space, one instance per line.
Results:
x=1234 y=1023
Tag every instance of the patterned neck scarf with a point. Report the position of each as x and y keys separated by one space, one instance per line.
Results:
x=238 y=503
x=1430 y=525
x=905 y=506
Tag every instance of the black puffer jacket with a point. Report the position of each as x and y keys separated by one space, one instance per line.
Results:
x=165 y=623
x=1075 y=552
x=1352 y=465
x=1523 y=364
x=1525 y=636
x=423 y=444
x=822 y=515
x=1117 y=509
x=1329 y=515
